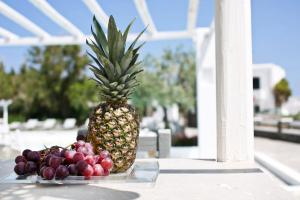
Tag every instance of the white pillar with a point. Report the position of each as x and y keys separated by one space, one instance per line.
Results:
x=206 y=96
x=234 y=80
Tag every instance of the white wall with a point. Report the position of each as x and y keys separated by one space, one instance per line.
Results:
x=269 y=75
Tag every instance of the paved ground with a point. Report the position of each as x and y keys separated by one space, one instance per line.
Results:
x=287 y=153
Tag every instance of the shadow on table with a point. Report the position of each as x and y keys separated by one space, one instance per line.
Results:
x=80 y=192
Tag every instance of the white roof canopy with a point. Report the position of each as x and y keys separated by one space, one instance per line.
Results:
x=75 y=35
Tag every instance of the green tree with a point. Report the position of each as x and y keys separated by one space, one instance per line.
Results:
x=6 y=88
x=49 y=80
x=168 y=79
x=281 y=92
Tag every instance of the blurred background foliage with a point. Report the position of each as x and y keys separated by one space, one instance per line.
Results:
x=54 y=82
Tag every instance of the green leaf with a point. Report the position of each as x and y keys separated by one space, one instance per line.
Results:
x=136 y=39
x=127 y=30
x=96 y=49
x=101 y=35
x=126 y=60
x=113 y=85
x=111 y=34
x=118 y=69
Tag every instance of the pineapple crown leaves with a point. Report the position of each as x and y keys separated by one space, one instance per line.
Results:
x=115 y=68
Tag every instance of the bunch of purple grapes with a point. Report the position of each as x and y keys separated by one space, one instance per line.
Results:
x=59 y=163
x=28 y=162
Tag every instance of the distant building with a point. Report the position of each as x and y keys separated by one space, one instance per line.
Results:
x=265 y=77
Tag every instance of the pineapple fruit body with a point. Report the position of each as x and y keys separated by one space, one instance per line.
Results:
x=114 y=125
x=115 y=129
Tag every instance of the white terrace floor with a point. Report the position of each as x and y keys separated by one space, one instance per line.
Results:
x=182 y=176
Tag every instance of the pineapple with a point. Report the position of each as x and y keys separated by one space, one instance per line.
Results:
x=114 y=124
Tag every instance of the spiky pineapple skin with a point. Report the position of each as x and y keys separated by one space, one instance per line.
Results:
x=115 y=128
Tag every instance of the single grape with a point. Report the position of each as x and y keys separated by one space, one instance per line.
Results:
x=88 y=146
x=73 y=170
x=90 y=160
x=69 y=154
x=78 y=156
x=107 y=163
x=88 y=171
x=81 y=165
x=20 y=168
x=90 y=152
x=106 y=172
x=104 y=154
x=42 y=170
x=55 y=161
x=43 y=164
x=61 y=172
x=83 y=150
x=25 y=152
x=56 y=152
x=33 y=156
x=47 y=159
x=62 y=153
x=98 y=170
x=97 y=159
x=48 y=173
x=30 y=167
x=20 y=159
x=79 y=143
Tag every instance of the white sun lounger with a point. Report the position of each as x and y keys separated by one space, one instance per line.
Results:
x=48 y=124
x=69 y=123
x=31 y=124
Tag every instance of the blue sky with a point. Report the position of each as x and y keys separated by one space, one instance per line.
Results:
x=275 y=27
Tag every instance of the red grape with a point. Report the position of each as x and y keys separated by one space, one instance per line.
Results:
x=30 y=167
x=73 y=170
x=88 y=146
x=88 y=171
x=33 y=156
x=41 y=170
x=62 y=153
x=79 y=143
x=97 y=159
x=104 y=154
x=90 y=152
x=55 y=161
x=107 y=163
x=98 y=170
x=83 y=150
x=20 y=168
x=77 y=157
x=25 y=152
x=20 y=159
x=90 y=160
x=81 y=165
x=106 y=172
x=69 y=154
x=47 y=159
x=48 y=173
x=61 y=172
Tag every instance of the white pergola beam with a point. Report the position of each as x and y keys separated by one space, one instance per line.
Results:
x=48 y=10
x=143 y=11
x=97 y=10
x=7 y=34
x=61 y=40
x=206 y=94
x=234 y=80
x=192 y=15
x=21 y=20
